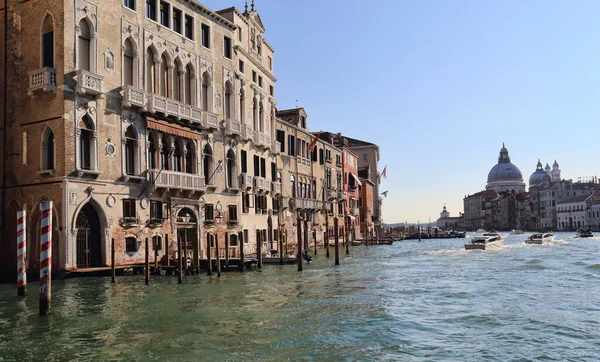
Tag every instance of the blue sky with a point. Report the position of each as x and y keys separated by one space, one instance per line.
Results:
x=439 y=85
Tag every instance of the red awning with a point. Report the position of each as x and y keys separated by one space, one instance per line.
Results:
x=173 y=129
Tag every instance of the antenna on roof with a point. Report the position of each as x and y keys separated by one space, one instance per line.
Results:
x=296 y=103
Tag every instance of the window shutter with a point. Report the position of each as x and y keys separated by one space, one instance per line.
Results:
x=244 y=161
x=256 y=165
x=321 y=161
x=273 y=171
x=263 y=167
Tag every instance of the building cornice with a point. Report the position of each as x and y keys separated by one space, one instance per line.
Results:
x=212 y=14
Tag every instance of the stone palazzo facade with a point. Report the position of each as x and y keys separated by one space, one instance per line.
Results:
x=155 y=119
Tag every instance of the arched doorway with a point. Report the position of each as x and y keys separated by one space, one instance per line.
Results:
x=89 y=248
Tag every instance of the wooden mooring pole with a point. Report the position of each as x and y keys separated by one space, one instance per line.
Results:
x=180 y=262
x=299 y=242
x=147 y=265
x=208 y=256
x=21 y=253
x=337 y=245
x=326 y=235
x=241 y=241
x=217 y=255
x=155 y=244
x=45 y=257
x=112 y=261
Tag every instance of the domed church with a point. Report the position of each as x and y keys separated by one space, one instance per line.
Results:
x=540 y=175
x=505 y=176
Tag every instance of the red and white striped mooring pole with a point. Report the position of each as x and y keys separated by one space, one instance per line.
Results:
x=21 y=252
x=45 y=257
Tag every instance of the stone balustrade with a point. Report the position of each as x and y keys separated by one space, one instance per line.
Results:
x=134 y=97
x=173 y=108
x=43 y=79
x=89 y=83
x=176 y=180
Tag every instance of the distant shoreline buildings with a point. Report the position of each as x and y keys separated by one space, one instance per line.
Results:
x=550 y=203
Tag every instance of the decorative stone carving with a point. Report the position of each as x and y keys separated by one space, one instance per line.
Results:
x=111 y=201
x=109 y=61
x=73 y=197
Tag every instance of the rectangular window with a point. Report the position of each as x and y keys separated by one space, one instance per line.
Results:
x=254 y=76
x=365 y=157
x=303 y=121
x=314 y=155
x=291 y=145
x=241 y=64
x=275 y=203
x=244 y=157
x=177 y=20
x=129 y=210
x=273 y=171
x=257 y=209
x=227 y=47
x=156 y=242
x=151 y=9
x=206 y=36
x=164 y=13
x=281 y=138
x=260 y=81
x=321 y=157
x=209 y=213
x=245 y=203
x=232 y=212
x=246 y=236
x=189 y=27
x=240 y=34
x=131 y=245
x=263 y=168
x=256 y=165
x=270 y=63
x=129 y=4
x=271 y=91
x=156 y=210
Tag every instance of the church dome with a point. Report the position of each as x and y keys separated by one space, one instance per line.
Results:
x=539 y=175
x=547 y=168
x=504 y=170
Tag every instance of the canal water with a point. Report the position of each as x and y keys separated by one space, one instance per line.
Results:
x=411 y=301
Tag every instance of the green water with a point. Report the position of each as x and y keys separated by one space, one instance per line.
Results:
x=409 y=301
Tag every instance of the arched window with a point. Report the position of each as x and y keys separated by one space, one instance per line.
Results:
x=48 y=42
x=261 y=115
x=254 y=109
x=231 y=169
x=189 y=92
x=206 y=88
x=150 y=71
x=177 y=81
x=164 y=154
x=228 y=101
x=86 y=137
x=84 y=43
x=207 y=164
x=48 y=150
x=242 y=106
x=164 y=76
x=293 y=185
x=130 y=150
x=128 y=63
x=177 y=157
x=151 y=153
x=189 y=157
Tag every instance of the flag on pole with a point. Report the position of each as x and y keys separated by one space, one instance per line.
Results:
x=314 y=142
x=384 y=172
x=384 y=193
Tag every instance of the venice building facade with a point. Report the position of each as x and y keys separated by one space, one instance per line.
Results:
x=156 y=120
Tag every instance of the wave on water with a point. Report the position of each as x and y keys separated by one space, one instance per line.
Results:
x=452 y=251
x=593 y=267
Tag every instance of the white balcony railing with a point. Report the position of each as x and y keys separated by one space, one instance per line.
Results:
x=176 y=180
x=341 y=196
x=355 y=211
x=262 y=139
x=233 y=127
x=173 y=108
x=247 y=132
x=260 y=183
x=331 y=194
x=134 y=97
x=211 y=120
x=276 y=147
x=89 y=83
x=246 y=181
x=308 y=204
x=276 y=188
x=43 y=79
x=267 y=186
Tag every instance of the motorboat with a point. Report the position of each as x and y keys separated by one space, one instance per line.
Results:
x=584 y=233
x=540 y=238
x=517 y=232
x=481 y=231
x=483 y=242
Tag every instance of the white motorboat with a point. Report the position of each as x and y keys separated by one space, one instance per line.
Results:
x=485 y=241
x=481 y=231
x=540 y=238
x=584 y=233
x=517 y=232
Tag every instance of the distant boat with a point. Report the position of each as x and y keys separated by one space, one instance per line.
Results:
x=517 y=232
x=581 y=233
x=540 y=238
x=481 y=231
x=485 y=241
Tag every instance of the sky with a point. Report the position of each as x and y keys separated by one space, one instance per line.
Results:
x=440 y=85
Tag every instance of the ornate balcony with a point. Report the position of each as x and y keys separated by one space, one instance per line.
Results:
x=261 y=184
x=355 y=211
x=173 y=108
x=232 y=127
x=276 y=188
x=262 y=140
x=176 y=180
x=309 y=204
x=211 y=120
x=43 y=79
x=246 y=181
x=341 y=196
x=276 y=147
x=331 y=194
x=134 y=97
x=247 y=132
x=89 y=83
